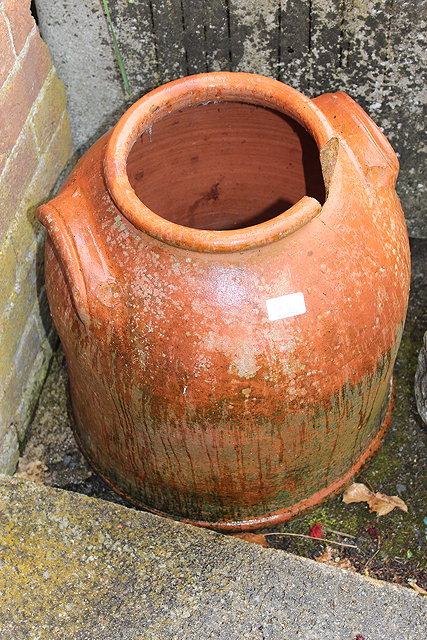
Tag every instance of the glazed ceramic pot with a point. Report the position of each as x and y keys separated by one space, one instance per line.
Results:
x=228 y=271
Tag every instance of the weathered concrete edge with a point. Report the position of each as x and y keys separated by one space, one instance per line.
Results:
x=203 y=535
x=138 y=576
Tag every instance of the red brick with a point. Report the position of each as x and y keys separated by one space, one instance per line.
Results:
x=8 y=271
x=12 y=324
x=18 y=95
x=26 y=353
x=17 y=376
x=24 y=227
x=51 y=105
x=7 y=58
x=15 y=179
x=21 y=21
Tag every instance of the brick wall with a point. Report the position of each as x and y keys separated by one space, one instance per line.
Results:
x=35 y=145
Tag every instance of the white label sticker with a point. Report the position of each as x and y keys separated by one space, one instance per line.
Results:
x=286 y=306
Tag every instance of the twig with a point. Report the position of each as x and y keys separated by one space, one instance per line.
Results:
x=417 y=588
x=340 y=533
x=370 y=559
x=300 y=535
x=378 y=549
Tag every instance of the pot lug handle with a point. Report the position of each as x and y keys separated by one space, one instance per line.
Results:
x=368 y=143
x=66 y=250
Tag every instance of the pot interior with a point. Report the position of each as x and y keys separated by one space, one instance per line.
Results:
x=225 y=165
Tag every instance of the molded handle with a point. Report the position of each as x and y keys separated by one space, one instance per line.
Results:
x=65 y=246
x=89 y=273
x=369 y=145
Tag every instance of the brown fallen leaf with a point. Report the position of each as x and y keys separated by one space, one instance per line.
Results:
x=418 y=589
x=378 y=502
x=356 y=492
x=345 y=563
x=325 y=556
x=33 y=470
x=328 y=557
x=257 y=538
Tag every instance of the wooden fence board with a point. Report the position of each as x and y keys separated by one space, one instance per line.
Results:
x=169 y=37
x=254 y=36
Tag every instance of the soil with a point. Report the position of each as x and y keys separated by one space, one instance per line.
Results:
x=391 y=547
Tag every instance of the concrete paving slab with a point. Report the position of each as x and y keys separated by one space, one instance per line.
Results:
x=80 y=568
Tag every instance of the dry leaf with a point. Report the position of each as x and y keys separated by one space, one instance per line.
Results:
x=357 y=492
x=378 y=502
x=257 y=538
x=383 y=504
x=326 y=556
x=32 y=470
x=345 y=563
x=329 y=556
x=418 y=589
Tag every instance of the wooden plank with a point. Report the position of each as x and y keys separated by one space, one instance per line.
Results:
x=133 y=28
x=205 y=34
x=294 y=43
x=402 y=114
x=194 y=35
x=325 y=45
x=167 y=19
x=363 y=44
x=254 y=36
x=218 y=47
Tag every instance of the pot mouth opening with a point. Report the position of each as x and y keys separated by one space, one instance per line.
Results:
x=219 y=162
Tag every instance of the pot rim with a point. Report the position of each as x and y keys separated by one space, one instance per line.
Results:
x=192 y=91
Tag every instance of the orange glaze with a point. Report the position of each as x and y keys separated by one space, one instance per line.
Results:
x=228 y=271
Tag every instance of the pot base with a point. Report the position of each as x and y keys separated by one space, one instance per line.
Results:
x=275 y=518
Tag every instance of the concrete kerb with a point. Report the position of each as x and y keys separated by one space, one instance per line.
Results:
x=79 y=568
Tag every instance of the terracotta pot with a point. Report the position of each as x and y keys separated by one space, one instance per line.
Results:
x=230 y=300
